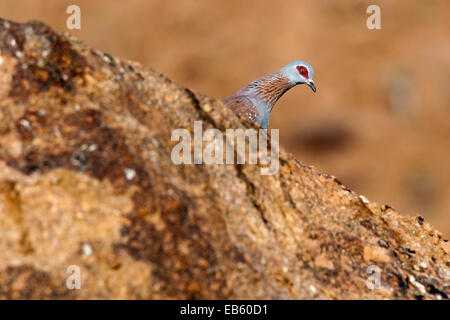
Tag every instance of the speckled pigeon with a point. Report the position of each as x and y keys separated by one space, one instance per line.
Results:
x=257 y=99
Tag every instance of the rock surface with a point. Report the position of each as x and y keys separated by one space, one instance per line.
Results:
x=87 y=180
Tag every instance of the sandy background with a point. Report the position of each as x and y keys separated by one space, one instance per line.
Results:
x=380 y=120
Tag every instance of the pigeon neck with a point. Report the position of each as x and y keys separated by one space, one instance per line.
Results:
x=270 y=88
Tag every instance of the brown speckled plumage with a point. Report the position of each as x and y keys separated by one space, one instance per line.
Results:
x=271 y=88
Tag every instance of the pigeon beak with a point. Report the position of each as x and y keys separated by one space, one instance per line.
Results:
x=312 y=86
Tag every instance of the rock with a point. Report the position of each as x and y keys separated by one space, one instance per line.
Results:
x=87 y=181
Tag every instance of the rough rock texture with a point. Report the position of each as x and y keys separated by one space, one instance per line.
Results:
x=86 y=179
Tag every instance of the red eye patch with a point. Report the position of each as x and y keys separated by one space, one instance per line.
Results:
x=303 y=71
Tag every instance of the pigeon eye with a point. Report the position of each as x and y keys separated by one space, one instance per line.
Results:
x=303 y=71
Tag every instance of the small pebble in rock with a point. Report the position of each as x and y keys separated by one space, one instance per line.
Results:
x=129 y=173
x=87 y=249
x=92 y=147
x=25 y=123
x=364 y=199
x=420 y=220
x=383 y=243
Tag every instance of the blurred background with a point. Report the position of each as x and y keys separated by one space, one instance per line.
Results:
x=380 y=120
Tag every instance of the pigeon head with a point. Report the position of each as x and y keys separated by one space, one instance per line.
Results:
x=299 y=72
